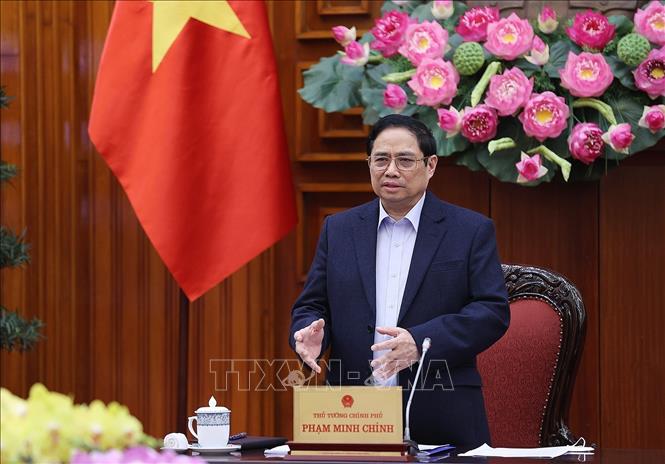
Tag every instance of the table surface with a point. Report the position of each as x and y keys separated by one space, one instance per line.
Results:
x=604 y=456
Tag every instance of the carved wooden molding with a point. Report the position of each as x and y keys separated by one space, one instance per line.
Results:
x=300 y=154
x=604 y=5
x=500 y=4
x=331 y=132
x=302 y=29
x=327 y=7
x=306 y=188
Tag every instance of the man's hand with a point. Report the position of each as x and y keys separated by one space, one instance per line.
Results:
x=403 y=352
x=308 y=343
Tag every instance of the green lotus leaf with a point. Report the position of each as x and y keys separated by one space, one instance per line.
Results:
x=623 y=25
x=468 y=158
x=331 y=85
x=423 y=13
x=621 y=71
x=558 y=56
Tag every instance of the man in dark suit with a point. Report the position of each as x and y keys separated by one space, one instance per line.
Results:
x=406 y=266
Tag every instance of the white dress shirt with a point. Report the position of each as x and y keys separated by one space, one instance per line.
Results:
x=394 y=248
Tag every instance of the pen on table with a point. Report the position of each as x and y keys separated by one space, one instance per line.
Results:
x=238 y=436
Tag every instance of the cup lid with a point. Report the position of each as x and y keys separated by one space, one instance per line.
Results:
x=212 y=407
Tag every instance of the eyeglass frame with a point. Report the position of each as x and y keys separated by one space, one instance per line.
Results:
x=394 y=158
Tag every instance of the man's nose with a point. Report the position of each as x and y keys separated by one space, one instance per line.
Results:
x=392 y=170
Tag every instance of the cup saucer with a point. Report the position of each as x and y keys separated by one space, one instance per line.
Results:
x=175 y=450
x=214 y=449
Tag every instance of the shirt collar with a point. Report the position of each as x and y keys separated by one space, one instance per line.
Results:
x=413 y=216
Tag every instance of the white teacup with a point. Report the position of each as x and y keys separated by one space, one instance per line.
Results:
x=213 y=425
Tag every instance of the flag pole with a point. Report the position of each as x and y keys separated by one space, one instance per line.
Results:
x=183 y=361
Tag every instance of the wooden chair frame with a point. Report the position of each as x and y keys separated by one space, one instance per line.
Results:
x=529 y=282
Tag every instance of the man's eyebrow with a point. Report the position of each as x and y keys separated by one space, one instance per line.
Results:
x=399 y=153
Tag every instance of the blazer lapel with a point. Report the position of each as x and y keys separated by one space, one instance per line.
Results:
x=364 y=239
x=431 y=231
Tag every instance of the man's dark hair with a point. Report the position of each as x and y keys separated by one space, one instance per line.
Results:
x=426 y=141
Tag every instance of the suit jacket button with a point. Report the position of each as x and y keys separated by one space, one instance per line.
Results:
x=370 y=329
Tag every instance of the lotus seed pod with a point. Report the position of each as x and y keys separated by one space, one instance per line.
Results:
x=633 y=49
x=469 y=58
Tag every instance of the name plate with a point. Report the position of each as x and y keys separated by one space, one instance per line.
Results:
x=347 y=415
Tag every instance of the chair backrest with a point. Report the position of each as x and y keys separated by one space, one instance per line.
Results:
x=528 y=375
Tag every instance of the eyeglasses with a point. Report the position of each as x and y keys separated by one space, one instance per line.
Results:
x=403 y=163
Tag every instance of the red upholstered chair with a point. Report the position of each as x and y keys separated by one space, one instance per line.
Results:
x=528 y=375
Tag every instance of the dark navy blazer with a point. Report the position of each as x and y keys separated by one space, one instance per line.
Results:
x=455 y=294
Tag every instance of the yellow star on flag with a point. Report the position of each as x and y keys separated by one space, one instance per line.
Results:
x=169 y=18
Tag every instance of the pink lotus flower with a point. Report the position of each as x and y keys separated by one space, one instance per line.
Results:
x=653 y=118
x=473 y=23
x=529 y=168
x=619 y=137
x=388 y=32
x=540 y=52
x=508 y=92
x=591 y=30
x=650 y=22
x=586 y=74
x=425 y=40
x=547 y=21
x=650 y=74
x=450 y=121
x=394 y=97
x=479 y=124
x=356 y=54
x=585 y=142
x=545 y=115
x=343 y=35
x=442 y=9
x=435 y=82
x=509 y=37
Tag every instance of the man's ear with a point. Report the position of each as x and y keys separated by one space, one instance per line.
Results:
x=431 y=164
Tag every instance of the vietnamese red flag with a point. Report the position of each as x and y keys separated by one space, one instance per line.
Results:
x=187 y=114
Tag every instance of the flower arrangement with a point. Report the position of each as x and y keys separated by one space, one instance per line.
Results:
x=523 y=100
x=135 y=455
x=49 y=427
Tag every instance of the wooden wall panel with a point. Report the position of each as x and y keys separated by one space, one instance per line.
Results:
x=556 y=226
x=458 y=185
x=320 y=136
x=313 y=19
x=109 y=304
x=235 y=322
x=12 y=212
x=632 y=296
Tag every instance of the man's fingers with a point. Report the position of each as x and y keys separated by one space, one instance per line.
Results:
x=383 y=360
x=302 y=352
x=378 y=374
x=311 y=329
x=389 y=368
x=313 y=365
x=386 y=370
x=306 y=344
x=392 y=331
x=386 y=345
x=309 y=360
